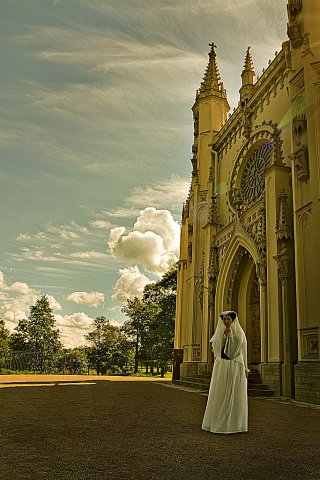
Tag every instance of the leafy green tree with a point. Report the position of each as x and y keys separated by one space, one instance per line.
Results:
x=110 y=350
x=161 y=328
x=140 y=316
x=38 y=334
x=73 y=361
x=4 y=337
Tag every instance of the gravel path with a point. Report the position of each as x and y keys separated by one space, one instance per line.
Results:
x=144 y=430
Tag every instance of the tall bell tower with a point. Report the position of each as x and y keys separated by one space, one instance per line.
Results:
x=210 y=112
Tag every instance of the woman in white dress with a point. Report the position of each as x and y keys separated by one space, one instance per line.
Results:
x=227 y=405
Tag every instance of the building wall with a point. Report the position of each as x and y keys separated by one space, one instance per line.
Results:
x=228 y=240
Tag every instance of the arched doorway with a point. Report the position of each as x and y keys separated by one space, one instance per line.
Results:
x=239 y=289
x=244 y=297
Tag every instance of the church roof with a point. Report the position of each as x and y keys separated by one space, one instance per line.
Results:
x=212 y=80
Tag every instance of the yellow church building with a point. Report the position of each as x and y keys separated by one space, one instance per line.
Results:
x=250 y=234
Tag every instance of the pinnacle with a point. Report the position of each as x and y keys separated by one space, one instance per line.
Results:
x=212 y=79
x=248 y=63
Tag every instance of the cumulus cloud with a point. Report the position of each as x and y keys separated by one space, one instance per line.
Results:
x=130 y=284
x=54 y=304
x=91 y=299
x=153 y=242
x=20 y=287
x=74 y=327
x=16 y=300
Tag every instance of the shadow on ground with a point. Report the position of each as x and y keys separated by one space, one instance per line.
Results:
x=141 y=430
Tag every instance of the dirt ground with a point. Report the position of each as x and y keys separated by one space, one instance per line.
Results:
x=109 y=428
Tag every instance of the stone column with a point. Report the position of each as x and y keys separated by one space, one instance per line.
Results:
x=283 y=261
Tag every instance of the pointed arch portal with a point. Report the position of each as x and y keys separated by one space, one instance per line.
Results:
x=238 y=289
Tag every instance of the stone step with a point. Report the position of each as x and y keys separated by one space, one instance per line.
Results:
x=253 y=392
x=201 y=382
x=262 y=391
x=191 y=384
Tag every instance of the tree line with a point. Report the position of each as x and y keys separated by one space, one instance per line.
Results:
x=146 y=337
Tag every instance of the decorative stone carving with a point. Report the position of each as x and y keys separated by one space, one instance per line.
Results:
x=237 y=200
x=261 y=269
x=202 y=197
x=306 y=44
x=194 y=167
x=287 y=54
x=283 y=259
x=213 y=216
x=196 y=124
x=195 y=353
x=300 y=158
x=200 y=283
x=299 y=125
x=277 y=155
x=189 y=252
x=293 y=31
x=263 y=229
x=294 y=7
x=309 y=341
x=284 y=222
x=247 y=112
x=213 y=272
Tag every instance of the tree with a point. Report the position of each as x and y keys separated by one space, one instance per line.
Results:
x=110 y=350
x=73 y=360
x=37 y=334
x=163 y=293
x=140 y=316
x=4 y=337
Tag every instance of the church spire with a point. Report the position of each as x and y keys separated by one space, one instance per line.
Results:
x=248 y=73
x=212 y=83
x=248 y=79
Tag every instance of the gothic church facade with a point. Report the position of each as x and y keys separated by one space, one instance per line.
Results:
x=251 y=223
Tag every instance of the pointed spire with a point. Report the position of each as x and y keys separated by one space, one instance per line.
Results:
x=212 y=80
x=248 y=73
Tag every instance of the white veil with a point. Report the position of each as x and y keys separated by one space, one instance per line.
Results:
x=236 y=344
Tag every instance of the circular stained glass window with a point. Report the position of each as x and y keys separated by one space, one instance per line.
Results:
x=252 y=182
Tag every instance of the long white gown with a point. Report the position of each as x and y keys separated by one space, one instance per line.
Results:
x=227 y=405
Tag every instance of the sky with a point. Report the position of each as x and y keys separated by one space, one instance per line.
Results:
x=96 y=133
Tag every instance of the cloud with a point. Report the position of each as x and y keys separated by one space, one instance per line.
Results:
x=101 y=224
x=91 y=299
x=153 y=242
x=122 y=212
x=21 y=288
x=74 y=327
x=167 y=193
x=85 y=255
x=16 y=300
x=130 y=284
x=54 y=304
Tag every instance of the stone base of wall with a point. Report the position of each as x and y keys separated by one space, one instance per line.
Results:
x=271 y=376
x=307 y=382
x=194 y=369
